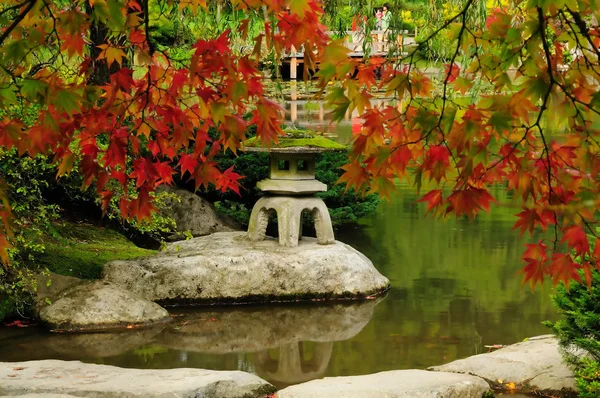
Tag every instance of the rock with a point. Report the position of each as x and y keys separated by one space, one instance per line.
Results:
x=102 y=381
x=194 y=214
x=535 y=364
x=49 y=286
x=262 y=328
x=97 y=305
x=228 y=267
x=42 y=395
x=392 y=384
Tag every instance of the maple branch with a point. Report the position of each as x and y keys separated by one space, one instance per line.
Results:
x=146 y=10
x=16 y=21
x=583 y=29
x=14 y=7
x=447 y=80
x=542 y=31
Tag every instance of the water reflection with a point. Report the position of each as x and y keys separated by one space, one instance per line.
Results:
x=294 y=363
x=285 y=344
x=253 y=329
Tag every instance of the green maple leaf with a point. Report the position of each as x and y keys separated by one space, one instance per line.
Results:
x=67 y=101
x=34 y=90
x=501 y=121
x=7 y=95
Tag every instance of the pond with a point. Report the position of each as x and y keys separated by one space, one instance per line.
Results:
x=455 y=289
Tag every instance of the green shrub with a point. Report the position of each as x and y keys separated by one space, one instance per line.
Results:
x=580 y=310
x=579 y=329
x=587 y=378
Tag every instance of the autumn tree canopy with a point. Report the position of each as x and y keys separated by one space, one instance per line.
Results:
x=517 y=104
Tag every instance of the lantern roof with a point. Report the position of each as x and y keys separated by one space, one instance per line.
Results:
x=295 y=141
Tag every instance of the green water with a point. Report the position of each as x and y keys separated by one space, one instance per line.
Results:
x=455 y=289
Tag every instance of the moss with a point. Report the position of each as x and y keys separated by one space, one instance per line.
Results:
x=81 y=250
x=299 y=138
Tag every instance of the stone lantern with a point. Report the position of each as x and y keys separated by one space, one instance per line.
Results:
x=290 y=188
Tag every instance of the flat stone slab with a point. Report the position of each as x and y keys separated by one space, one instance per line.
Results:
x=291 y=187
x=99 y=305
x=392 y=384
x=533 y=365
x=42 y=395
x=227 y=267
x=102 y=381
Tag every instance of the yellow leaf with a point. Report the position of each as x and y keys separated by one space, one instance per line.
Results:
x=66 y=165
x=111 y=54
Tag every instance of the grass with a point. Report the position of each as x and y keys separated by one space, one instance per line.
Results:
x=81 y=250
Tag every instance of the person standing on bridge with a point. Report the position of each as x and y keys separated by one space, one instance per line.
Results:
x=378 y=16
x=386 y=18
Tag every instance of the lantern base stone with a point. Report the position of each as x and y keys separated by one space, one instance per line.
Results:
x=291 y=187
x=229 y=268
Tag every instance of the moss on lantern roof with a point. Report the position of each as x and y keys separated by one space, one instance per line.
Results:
x=296 y=140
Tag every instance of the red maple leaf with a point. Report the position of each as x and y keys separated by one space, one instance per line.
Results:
x=452 y=72
x=576 y=239
x=434 y=198
x=229 y=180
x=563 y=268
x=187 y=163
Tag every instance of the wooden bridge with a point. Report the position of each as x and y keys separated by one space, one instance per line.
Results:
x=355 y=41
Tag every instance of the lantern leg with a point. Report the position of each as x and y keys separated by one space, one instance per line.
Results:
x=323 y=225
x=288 y=224
x=259 y=219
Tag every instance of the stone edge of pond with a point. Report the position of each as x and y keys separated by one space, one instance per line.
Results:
x=98 y=328
x=402 y=383
x=321 y=298
x=500 y=383
x=107 y=381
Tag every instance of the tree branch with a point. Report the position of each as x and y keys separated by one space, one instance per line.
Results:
x=16 y=21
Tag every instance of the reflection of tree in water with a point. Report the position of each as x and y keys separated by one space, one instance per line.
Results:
x=455 y=288
x=294 y=363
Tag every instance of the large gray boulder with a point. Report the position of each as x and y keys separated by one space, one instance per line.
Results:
x=228 y=267
x=195 y=215
x=263 y=328
x=532 y=365
x=102 y=381
x=49 y=285
x=392 y=384
x=98 y=305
